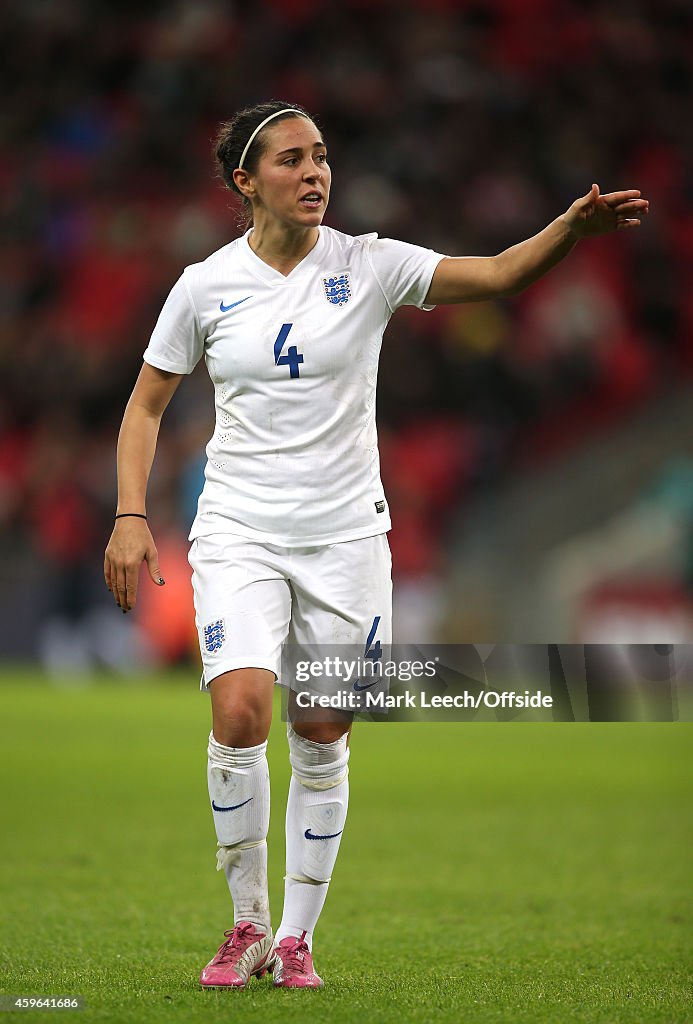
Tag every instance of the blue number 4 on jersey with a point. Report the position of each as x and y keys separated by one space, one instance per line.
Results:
x=292 y=359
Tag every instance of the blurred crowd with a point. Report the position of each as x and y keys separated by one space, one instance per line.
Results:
x=464 y=126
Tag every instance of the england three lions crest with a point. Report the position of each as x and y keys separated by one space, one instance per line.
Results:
x=337 y=289
x=214 y=634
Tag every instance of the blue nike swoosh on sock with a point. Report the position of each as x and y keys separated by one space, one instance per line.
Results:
x=215 y=807
x=309 y=835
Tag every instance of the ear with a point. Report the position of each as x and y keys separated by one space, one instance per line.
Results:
x=244 y=183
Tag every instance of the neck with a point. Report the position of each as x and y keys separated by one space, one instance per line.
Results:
x=281 y=247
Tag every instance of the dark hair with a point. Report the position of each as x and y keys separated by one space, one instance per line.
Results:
x=232 y=137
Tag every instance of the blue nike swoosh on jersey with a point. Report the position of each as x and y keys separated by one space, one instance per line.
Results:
x=309 y=835
x=225 y=309
x=235 y=807
x=366 y=686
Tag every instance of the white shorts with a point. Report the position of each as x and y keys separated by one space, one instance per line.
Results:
x=251 y=598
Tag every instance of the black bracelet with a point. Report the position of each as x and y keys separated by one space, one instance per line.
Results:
x=138 y=515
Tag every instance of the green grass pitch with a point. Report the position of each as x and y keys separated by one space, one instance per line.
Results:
x=489 y=873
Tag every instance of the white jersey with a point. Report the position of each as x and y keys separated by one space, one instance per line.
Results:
x=294 y=361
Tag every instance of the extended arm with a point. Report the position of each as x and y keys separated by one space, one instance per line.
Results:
x=131 y=540
x=474 y=278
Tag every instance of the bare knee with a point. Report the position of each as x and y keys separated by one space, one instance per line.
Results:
x=246 y=728
x=242 y=707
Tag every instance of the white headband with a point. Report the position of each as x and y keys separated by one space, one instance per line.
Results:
x=289 y=110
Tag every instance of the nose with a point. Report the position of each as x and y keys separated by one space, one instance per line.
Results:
x=311 y=172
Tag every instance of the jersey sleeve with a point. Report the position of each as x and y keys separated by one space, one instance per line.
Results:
x=176 y=343
x=403 y=271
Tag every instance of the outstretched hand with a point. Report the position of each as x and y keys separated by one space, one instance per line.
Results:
x=596 y=214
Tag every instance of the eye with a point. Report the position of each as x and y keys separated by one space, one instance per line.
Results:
x=322 y=157
x=291 y=161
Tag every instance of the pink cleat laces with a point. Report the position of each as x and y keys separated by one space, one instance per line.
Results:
x=293 y=964
x=244 y=953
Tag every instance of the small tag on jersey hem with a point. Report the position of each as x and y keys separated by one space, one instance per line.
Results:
x=380 y=506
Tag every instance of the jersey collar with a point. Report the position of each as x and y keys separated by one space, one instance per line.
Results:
x=271 y=276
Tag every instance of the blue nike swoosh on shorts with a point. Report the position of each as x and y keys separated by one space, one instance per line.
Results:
x=366 y=686
x=235 y=807
x=225 y=309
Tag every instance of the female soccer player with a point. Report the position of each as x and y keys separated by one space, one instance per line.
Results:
x=289 y=542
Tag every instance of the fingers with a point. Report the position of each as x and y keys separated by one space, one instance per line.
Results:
x=121 y=588
x=126 y=586
x=613 y=198
x=111 y=576
x=121 y=580
x=635 y=206
x=107 y=575
x=153 y=564
x=131 y=575
x=115 y=575
x=629 y=214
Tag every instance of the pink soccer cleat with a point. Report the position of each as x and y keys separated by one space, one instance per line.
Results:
x=246 y=952
x=293 y=964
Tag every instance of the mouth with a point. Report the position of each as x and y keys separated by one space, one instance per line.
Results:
x=311 y=200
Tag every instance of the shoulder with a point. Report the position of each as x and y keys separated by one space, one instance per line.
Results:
x=351 y=245
x=210 y=268
x=378 y=252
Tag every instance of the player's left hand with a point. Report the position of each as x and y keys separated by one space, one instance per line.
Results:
x=596 y=214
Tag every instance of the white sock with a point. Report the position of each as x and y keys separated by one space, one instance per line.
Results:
x=315 y=818
x=239 y=792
